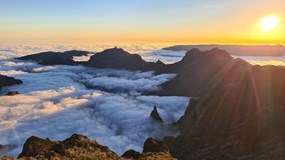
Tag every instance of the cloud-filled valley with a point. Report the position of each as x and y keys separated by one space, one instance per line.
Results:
x=104 y=104
x=111 y=106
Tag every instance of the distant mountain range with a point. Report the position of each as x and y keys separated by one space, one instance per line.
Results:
x=237 y=50
x=237 y=110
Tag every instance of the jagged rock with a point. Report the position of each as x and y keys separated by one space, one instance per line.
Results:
x=155 y=115
x=132 y=154
x=56 y=58
x=79 y=147
x=152 y=145
x=75 y=147
x=8 y=81
x=12 y=93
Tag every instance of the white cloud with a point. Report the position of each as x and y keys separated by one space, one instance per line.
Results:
x=104 y=104
x=56 y=102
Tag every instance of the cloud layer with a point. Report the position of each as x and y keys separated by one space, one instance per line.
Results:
x=107 y=105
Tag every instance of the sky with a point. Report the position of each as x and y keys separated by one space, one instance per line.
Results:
x=131 y=21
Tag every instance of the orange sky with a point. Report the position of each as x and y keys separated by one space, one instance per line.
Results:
x=182 y=22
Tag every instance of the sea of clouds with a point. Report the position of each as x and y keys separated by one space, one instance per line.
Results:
x=111 y=106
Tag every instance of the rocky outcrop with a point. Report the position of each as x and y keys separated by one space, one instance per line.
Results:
x=155 y=115
x=56 y=58
x=75 y=147
x=79 y=147
x=8 y=81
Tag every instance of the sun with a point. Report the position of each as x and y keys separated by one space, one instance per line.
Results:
x=269 y=23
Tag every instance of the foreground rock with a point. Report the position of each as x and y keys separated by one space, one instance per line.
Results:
x=8 y=81
x=75 y=147
x=79 y=147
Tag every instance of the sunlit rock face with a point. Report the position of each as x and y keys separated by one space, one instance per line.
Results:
x=79 y=147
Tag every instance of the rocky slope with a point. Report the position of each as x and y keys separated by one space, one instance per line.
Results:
x=79 y=147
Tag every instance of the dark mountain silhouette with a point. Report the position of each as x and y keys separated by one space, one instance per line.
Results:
x=238 y=111
x=197 y=72
x=119 y=59
x=237 y=50
x=8 y=81
x=55 y=58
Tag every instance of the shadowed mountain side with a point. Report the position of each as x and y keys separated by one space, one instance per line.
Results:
x=55 y=58
x=8 y=81
x=237 y=50
x=197 y=72
x=241 y=115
